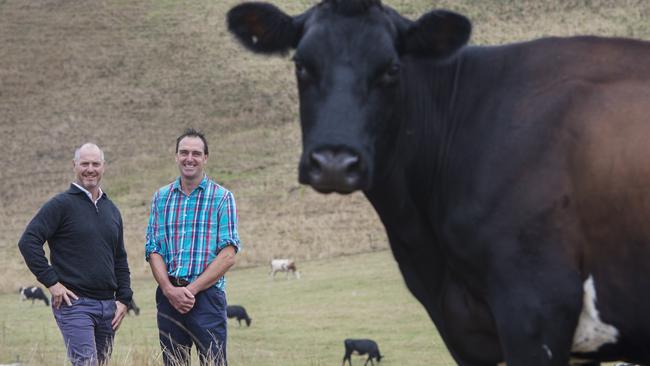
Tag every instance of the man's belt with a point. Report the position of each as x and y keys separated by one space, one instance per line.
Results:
x=178 y=282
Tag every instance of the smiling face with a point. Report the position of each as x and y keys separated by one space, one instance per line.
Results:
x=191 y=158
x=89 y=167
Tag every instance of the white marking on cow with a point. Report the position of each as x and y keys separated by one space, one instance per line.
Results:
x=549 y=353
x=254 y=39
x=591 y=333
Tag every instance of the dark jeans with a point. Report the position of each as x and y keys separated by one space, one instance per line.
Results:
x=87 y=330
x=204 y=326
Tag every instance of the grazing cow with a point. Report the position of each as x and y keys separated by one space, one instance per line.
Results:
x=361 y=347
x=284 y=265
x=33 y=293
x=238 y=312
x=513 y=180
x=132 y=306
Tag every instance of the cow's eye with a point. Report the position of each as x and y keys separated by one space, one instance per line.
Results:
x=393 y=70
x=390 y=74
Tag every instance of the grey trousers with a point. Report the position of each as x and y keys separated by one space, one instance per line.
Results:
x=86 y=330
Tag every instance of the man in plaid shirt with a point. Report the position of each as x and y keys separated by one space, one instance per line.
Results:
x=191 y=242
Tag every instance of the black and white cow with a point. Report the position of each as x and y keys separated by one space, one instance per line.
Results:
x=33 y=293
x=361 y=347
x=513 y=180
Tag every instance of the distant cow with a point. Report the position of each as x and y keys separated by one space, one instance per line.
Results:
x=132 y=306
x=33 y=293
x=284 y=265
x=512 y=180
x=361 y=347
x=238 y=312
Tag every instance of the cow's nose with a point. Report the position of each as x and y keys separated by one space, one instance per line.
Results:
x=335 y=171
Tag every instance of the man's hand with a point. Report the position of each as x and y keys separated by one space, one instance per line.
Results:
x=61 y=294
x=180 y=297
x=120 y=312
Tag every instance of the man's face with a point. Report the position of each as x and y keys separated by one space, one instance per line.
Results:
x=190 y=158
x=89 y=168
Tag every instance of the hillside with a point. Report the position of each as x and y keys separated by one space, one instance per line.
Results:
x=131 y=75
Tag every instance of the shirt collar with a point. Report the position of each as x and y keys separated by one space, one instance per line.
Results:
x=203 y=185
x=84 y=190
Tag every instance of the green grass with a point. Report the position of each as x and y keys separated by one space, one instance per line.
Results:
x=295 y=322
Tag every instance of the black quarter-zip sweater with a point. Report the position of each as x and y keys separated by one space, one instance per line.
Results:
x=86 y=246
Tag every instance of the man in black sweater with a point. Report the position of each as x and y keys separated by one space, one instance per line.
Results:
x=88 y=276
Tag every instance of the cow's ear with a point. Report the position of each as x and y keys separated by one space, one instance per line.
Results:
x=264 y=28
x=438 y=33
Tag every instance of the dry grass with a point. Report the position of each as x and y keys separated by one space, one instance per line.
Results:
x=130 y=75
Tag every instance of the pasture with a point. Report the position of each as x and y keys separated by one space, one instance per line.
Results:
x=295 y=322
x=130 y=76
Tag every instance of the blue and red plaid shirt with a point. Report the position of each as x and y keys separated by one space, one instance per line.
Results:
x=188 y=231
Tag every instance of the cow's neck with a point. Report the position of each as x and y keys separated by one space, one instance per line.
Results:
x=430 y=119
x=410 y=191
x=407 y=189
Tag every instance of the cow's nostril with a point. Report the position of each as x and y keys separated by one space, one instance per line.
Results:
x=351 y=164
x=328 y=170
x=319 y=160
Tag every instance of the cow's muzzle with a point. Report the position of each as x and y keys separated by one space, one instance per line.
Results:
x=329 y=170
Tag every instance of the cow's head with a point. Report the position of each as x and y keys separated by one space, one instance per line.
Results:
x=348 y=57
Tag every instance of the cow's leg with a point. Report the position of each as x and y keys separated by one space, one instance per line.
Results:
x=536 y=308
x=347 y=357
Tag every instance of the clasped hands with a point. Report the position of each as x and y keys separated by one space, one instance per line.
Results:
x=181 y=298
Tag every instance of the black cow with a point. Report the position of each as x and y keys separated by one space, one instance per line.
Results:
x=361 y=347
x=133 y=307
x=33 y=293
x=513 y=181
x=238 y=311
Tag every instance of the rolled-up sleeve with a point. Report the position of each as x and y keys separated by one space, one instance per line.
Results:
x=228 y=234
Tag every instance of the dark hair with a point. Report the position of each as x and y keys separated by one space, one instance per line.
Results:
x=352 y=7
x=190 y=132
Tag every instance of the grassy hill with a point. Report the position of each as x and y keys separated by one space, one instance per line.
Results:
x=131 y=75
